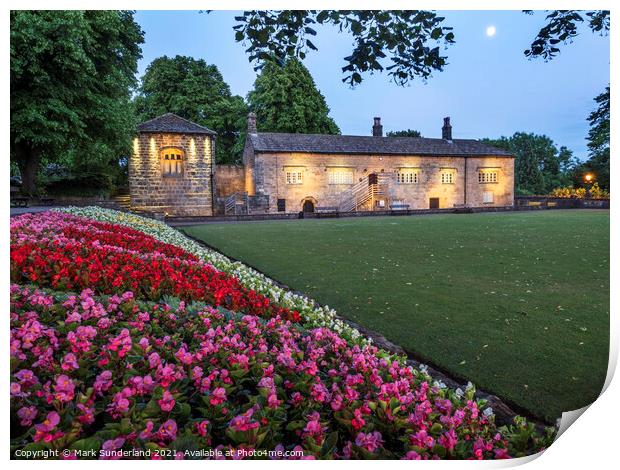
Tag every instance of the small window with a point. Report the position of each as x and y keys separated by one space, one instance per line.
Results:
x=407 y=176
x=485 y=176
x=172 y=162
x=447 y=178
x=340 y=176
x=281 y=205
x=294 y=176
x=487 y=197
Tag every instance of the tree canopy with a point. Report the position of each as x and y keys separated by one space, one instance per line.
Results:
x=563 y=27
x=194 y=90
x=72 y=73
x=286 y=99
x=405 y=43
x=404 y=133
x=540 y=166
x=598 y=141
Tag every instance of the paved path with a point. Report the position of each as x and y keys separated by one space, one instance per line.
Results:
x=26 y=210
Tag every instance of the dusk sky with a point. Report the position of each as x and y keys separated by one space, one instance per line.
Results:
x=489 y=88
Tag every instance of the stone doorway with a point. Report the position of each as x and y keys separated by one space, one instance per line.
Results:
x=308 y=206
x=433 y=203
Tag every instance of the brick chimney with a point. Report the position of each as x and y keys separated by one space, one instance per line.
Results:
x=252 y=123
x=446 y=130
x=377 y=128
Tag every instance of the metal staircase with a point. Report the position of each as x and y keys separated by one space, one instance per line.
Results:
x=237 y=203
x=364 y=192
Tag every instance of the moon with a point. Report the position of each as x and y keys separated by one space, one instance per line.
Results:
x=491 y=31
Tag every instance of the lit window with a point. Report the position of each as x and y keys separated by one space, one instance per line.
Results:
x=487 y=176
x=406 y=176
x=294 y=177
x=447 y=178
x=487 y=197
x=172 y=162
x=340 y=176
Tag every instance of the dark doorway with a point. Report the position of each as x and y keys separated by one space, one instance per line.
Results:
x=433 y=203
x=372 y=179
x=308 y=206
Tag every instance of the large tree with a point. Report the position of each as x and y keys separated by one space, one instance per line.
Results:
x=195 y=90
x=71 y=78
x=540 y=165
x=285 y=99
x=598 y=141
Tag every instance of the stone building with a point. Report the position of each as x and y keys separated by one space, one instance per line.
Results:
x=173 y=171
x=172 y=167
x=339 y=172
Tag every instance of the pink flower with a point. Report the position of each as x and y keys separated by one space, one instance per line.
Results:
x=218 y=396
x=201 y=428
x=88 y=414
x=412 y=455
x=371 y=441
x=103 y=382
x=148 y=431
x=122 y=343
x=69 y=362
x=27 y=415
x=64 y=388
x=422 y=439
x=167 y=402
x=44 y=429
x=110 y=446
x=16 y=390
x=168 y=430
x=244 y=422
x=26 y=378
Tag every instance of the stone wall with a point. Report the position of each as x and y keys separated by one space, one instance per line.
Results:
x=269 y=177
x=189 y=194
x=229 y=179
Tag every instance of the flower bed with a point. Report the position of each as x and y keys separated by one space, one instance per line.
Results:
x=115 y=373
x=66 y=252
x=311 y=314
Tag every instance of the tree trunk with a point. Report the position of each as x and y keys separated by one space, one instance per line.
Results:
x=29 y=162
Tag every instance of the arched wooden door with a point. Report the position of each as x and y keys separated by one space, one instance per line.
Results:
x=308 y=206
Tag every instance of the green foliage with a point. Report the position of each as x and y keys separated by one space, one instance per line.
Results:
x=194 y=90
x=598 y=141
x=563 y=27
x=412 y=38
x=539 y=165
x=407 y=133
x=71 y=77
x=285 y=99
x=596 y=192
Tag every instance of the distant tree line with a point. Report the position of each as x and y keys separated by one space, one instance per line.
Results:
x=75 y=99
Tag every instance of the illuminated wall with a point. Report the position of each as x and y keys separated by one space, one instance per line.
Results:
x=187 y=193
x=462 y=188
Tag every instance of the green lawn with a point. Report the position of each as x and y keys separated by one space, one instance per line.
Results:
x=518 y=303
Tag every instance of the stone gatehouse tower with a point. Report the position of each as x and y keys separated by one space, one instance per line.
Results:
x=172 y=167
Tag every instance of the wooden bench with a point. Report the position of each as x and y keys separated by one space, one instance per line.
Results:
x=20 y=201
x=327 y=209
x=399 y=207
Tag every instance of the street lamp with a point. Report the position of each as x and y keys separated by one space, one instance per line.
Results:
x=589 y=179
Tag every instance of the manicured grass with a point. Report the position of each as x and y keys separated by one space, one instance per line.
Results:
x=518 y=303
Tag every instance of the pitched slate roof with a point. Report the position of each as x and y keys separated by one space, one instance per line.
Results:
x=170 y=122
x=368 y=145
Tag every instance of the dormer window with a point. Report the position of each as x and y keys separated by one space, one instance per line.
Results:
x=172 y=161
